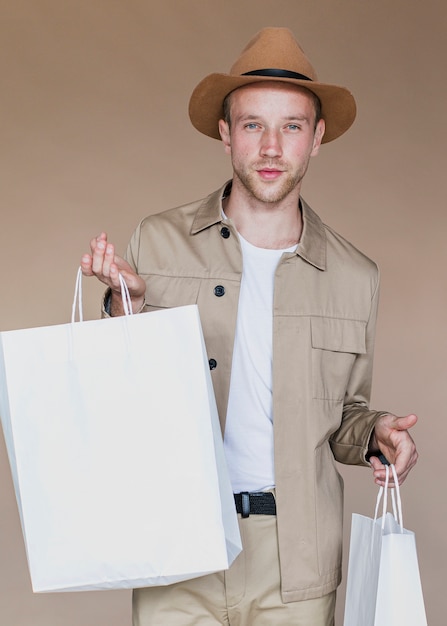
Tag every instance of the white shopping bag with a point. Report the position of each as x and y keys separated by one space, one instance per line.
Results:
x=383 y=585
x=116 y=452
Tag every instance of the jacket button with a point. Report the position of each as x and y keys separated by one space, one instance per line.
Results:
x=212 y=364
x=219 y=291
x=225 y=232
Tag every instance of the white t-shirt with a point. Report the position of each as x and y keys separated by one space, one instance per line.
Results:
x=248 y=437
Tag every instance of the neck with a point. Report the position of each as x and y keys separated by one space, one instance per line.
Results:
x=265 y=225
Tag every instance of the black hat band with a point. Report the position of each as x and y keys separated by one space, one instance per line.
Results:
x=275 y=73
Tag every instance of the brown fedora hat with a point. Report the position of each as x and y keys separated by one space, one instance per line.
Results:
x=274 y=55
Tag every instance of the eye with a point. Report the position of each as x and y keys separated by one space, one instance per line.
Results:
x=251 y=126
x=293 y=127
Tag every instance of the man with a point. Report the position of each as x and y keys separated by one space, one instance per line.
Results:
x=288 y=309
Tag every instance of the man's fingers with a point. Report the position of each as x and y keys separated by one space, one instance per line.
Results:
x=93 y=242
x=86 y=265
x=108 y=258
x=107 y=266
x=103 y=256
x=102 y=262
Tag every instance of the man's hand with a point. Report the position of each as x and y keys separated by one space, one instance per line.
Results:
x=106 y=266
x=392 y=439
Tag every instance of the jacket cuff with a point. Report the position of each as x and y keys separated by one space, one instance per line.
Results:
x=107 y=302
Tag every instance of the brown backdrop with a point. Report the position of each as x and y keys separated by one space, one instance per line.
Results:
x=94 y=135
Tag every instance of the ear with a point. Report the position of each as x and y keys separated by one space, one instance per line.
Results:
x=224 y=131
x=318 y=137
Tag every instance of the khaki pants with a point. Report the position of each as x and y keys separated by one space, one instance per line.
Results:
x=248 y=594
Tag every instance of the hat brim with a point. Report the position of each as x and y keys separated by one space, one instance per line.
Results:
x=338 y=108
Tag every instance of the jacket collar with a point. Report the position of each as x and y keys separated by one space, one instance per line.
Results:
x=209 y=211
x=312 y=245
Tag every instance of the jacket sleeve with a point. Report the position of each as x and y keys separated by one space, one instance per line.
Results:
x=350 y=442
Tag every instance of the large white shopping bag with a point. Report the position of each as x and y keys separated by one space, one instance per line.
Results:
x=116 y=452
x=384 y=585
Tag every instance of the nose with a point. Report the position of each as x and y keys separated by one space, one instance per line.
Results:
x=271 y=144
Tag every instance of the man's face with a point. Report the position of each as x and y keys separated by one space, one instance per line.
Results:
x=271 y=138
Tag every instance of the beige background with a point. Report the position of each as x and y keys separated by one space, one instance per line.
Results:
x=95 y=134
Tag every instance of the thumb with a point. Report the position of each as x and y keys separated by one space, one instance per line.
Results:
x=406 y=422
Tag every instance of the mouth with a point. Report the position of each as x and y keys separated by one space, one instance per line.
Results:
x=270 y=173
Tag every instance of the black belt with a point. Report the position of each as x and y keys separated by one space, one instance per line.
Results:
x=255 y=503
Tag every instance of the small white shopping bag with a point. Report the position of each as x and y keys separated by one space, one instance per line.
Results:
x=116 y=452
x=384 y=585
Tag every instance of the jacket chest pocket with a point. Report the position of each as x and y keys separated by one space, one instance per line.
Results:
x=164 y=292
x=335 y=344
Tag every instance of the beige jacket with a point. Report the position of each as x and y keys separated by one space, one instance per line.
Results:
x=324 y=315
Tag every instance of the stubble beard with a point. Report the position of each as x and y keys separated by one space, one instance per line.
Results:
x=268 y=192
